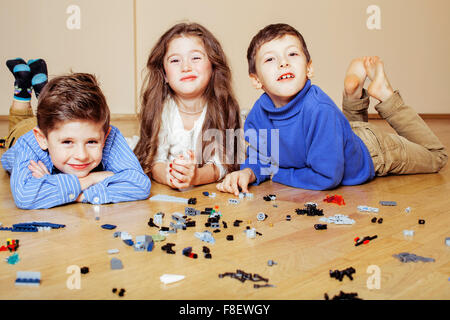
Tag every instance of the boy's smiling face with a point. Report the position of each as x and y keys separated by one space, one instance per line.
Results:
x=75 y=147
x=281 y=69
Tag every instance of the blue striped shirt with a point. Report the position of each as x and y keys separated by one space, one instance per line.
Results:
x=128 y=183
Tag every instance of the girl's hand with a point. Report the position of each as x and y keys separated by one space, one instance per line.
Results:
x=38 y=170
x=182 y=171
x=236 y=179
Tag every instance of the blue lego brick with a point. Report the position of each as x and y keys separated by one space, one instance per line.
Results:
x=108 y=226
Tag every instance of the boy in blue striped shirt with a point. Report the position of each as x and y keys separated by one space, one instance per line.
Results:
x=72 y=154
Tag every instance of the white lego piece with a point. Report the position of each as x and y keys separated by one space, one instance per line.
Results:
x=408 y=210
x=113 y=251
x=368 y=209
x=166 y=198
x=338 y=219
x=125 y=236
x=407 y=233
x=212 y=195
x=157 y=218
x=447 y=241
x=233 y=201
x=171 y=278
x=205 y=236
x=251 y=233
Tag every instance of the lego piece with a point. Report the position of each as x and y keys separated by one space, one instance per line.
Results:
x=13 y=259
x=288 y=218
x=251 y=233
x=113 y=251
x=128 y=242
x=311 y=210
x=338 y=219
x=116 y=264
x=365 y=240
x=261 y=216
x=388 y=203
x=233 y=201
x=408 y=233
x=344 y=296
x=206 y=193
x=230 y=237
x=270 y=197
x=166 y=198
x=447 y=241
x=256 y=286
x=236 y=223
x=339 y=274
x=205 y=236
x=380 y=220
x=171 y=278
x=408 y=210
x=225 y=226
x=212 y=195
x=188 y=253
x=168 y=248
x=410 y=257
x=207 y=252
x=143 y=243
x=108 y=226
x=158 y=237
x=84 y=270
x=271 y=263
x=421 y=221
x=320 y=226
x=158 y=218
x=151 y=223
x=367 y=209
x=242 y=276
x=28 y=278
x=191 y=211
x=335 y=199
x=374 y=220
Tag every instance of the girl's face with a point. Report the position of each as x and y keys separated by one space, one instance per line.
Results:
x=187 y=67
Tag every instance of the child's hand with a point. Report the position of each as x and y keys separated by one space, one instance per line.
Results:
x=94 y=178
x=182 y=171
x=236 y=179
x=38 y=170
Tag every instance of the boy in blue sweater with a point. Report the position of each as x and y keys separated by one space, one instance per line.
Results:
x=305 y=141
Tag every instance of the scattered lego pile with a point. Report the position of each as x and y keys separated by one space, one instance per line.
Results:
x=182 y=222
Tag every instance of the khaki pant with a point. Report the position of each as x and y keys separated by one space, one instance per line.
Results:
x=414 y=149
x=19 y=124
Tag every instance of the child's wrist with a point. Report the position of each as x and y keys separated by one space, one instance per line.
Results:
x=251 y=175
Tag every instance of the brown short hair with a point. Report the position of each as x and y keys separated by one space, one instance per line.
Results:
x=76 y=96
x=268 y=33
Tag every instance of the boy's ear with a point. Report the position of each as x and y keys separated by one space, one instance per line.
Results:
x=40 y=138
x=310 y=70
x=255 y=81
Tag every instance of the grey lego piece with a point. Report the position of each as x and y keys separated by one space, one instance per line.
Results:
x=261 y=216
x=142 y=242
x=191 y=211
x=410 y=257
x=113 y=251
x=233 y=201
x=205 y=236
x=408 y=210
x=116 y=264
x=251 y=233
x=338 y=219
x=178 y=217
x=388 y=203
x=271 y=263
x=447 y=241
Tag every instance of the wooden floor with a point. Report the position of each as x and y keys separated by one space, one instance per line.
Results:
x=304 y=255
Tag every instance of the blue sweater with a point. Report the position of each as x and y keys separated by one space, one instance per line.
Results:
x=317 y=148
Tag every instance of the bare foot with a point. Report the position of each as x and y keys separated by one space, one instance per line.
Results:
x=354 y=79
x=379 y=88
x=369 y=65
